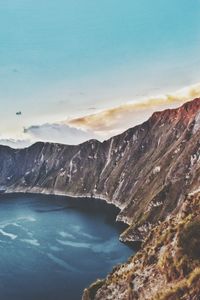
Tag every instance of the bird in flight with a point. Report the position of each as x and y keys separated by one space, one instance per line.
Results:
x=18 y=113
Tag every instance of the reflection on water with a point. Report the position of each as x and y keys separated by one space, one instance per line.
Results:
x=53 y=247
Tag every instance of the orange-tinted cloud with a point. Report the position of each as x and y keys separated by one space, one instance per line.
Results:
x=117 y=119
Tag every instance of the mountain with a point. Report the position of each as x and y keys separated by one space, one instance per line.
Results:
x=166 y=268
x=168 y=265
x=145 y=171
x=149 y=172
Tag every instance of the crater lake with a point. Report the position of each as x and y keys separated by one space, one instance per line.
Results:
x=52 y=247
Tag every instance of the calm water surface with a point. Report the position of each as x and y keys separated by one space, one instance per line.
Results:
x=53 y=247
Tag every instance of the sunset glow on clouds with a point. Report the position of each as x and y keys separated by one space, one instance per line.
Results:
x=117 y=119
x=83 y=69
x=104 y=124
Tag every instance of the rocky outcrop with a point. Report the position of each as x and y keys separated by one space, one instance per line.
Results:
x=145 y=171
x=167 y=267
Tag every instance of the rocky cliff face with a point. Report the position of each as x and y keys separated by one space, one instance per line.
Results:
x=167 y=267
x=145 y=171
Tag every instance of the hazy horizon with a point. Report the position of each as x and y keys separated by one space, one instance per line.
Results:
x=63 y=60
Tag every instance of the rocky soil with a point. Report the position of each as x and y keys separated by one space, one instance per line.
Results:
x=167 y=266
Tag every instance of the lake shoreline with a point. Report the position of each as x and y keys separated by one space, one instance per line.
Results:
x=70 y=233
x=135 y=245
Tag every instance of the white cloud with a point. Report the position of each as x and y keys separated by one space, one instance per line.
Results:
x=13 y=143
x=58 y=133
x=103 y=124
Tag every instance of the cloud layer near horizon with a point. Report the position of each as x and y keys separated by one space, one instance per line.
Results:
x=118 y=119
x=61 y=133
x=55 y=133
x=15 y=143
x=104 y=124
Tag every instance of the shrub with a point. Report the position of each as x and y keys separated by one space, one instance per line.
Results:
x=190 y=239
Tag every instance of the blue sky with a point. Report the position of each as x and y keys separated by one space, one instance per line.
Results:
x=62 y=59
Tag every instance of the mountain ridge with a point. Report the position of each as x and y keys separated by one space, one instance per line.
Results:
x=116 y=170
x=152 y=173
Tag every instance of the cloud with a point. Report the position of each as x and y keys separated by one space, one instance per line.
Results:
x=14 y=143
x=117 y=119
x=103 y=124
x=58 y=133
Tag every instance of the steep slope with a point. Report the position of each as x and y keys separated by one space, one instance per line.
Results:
x=167 y=267
x=146 y=170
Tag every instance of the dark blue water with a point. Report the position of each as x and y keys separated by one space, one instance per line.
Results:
x=53 y=247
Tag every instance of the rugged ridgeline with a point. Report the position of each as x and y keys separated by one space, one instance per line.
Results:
x=150 y=172
x=166 y=268
x=146 y=171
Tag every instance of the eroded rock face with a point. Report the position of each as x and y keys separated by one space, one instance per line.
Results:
x=146 y=170
x=165 y=268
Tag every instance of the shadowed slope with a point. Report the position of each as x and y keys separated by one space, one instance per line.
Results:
x=145 y=171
